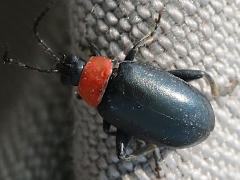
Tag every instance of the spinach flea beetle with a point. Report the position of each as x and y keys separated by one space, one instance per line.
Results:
x=139 y=100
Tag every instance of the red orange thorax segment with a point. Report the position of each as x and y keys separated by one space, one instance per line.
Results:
x=94 y=79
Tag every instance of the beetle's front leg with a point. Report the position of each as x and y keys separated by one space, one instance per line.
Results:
x=133 y=156
x=142 y=151
x=122 y=142
x=189 y=75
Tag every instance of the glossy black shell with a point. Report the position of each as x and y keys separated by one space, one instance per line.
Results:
x=154 y=105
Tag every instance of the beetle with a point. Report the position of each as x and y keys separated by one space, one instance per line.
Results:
x=141 y=101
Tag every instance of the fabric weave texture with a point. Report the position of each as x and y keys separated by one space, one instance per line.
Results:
x=39 y=139
x=197 y=34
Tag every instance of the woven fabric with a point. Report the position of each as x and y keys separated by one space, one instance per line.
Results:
x=35 y=115
x=37 y=136
x=197 y=34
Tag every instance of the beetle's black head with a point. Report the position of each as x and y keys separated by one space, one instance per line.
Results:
x=70 y=69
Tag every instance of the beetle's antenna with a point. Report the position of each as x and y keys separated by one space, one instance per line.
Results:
x=37 y=36
x=146 y=39
x=142 y=41
x=7 y=60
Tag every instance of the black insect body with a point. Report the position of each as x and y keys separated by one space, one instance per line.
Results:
x=156 y=106
x=140 y=100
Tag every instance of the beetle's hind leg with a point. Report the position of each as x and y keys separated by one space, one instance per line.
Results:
x=190 y=75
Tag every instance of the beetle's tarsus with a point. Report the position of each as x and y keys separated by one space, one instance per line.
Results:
x=228 y=90
x=213 y=85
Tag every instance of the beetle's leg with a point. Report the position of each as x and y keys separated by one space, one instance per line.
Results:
x=107 y=127
x=142 y=151
x=157 y=158
x=122 y=141
x=140 y=142
x=189 y=75
x=94 y=50
x=131 y=54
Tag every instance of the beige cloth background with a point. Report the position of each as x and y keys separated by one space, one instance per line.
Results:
x=197 y=34
x=36 y=128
